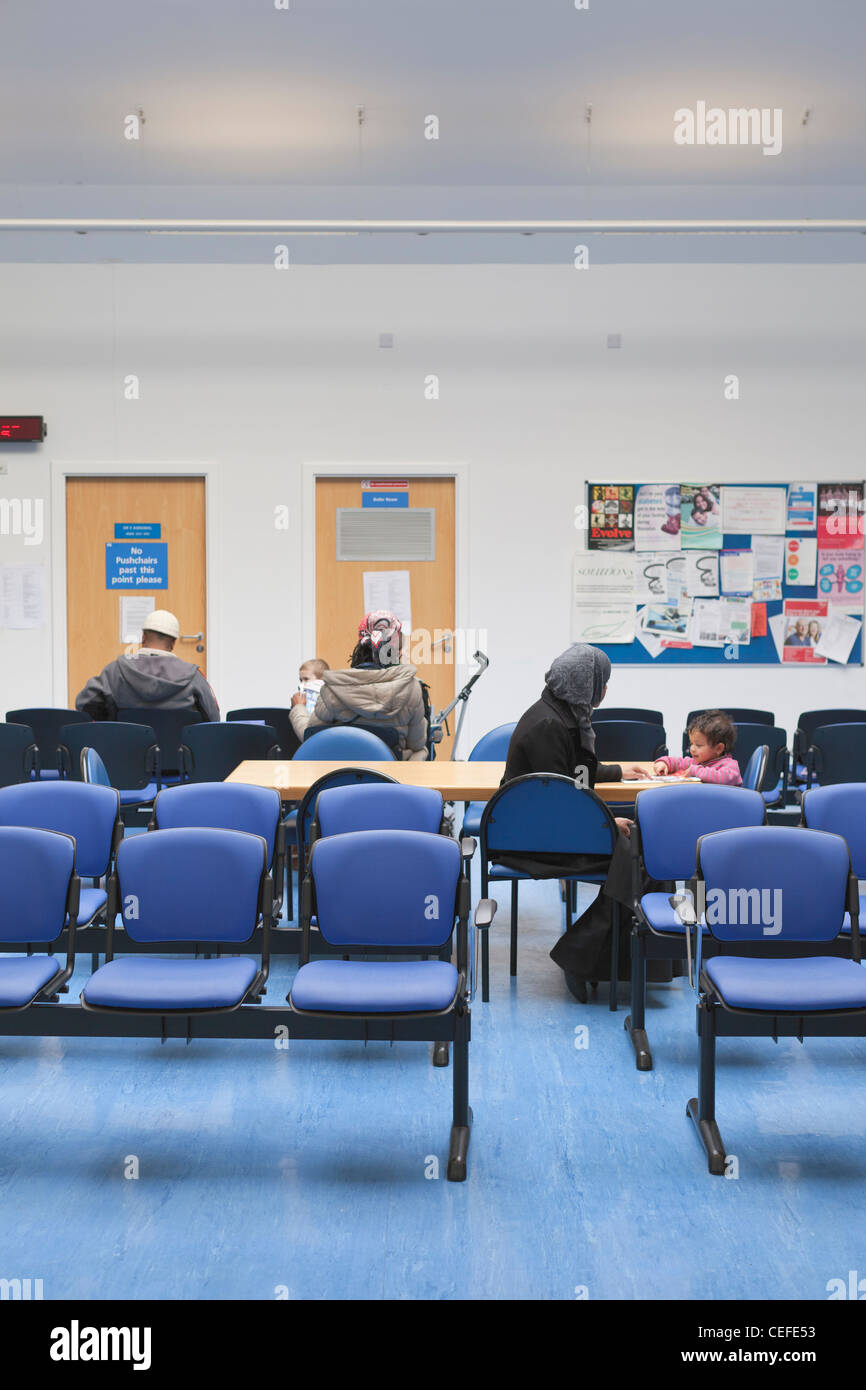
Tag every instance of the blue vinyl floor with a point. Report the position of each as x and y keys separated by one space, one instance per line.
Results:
x=310 y=1172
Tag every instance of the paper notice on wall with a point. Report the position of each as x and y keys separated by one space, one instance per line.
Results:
x=668 y=623
x=838 y=637
x=802 y=507
x=747 y=510
x=805 y=620
x=840 y=516
x=840 y=579
x=700 y=516
x=657 y=517
x=801 y=561
x=719 y=622
x=22 y=596
x=603 y=597
x=702 y=573
x=776 y=625
x=659 y=577
x=648 y=640
x=768 y=554
x=134 y=608
x=736 y=572
x=611 y=516
x=389 y=591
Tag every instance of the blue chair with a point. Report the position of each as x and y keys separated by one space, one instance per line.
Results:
x=629 y=740
x=836 y=753
x=492 y=747
x=228 y=806
x=204 y=886
x=341 y=741
x=385 y=732
x=89 y=815
x=278 y=716
x=211 y=750
x=755 y=771
x=301 y=819
x=19 y=760
x=605 y=713
x=752 y=736
x=40 y=895
x=767 y=892
x=368 y=806
x=668 y=822
x=739 y=715
x=46 y=725
x=544 y=814
x=808 y=722
x=168 y=726
x=840 y=810
x=427 y=894
x=129 y=752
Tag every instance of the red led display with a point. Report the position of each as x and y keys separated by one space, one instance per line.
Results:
x=22 y=429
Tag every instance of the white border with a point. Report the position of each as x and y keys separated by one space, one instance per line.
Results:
x=59 y=471
x=377 y=469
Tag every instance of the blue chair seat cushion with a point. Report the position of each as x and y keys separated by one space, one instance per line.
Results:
x=498 y=872
x=374 y=987
x=804 y=985
x=22 y=978
x=472 y=818
x=92 y=901
x=656 y=907
x=142 y=982
x=136 y=795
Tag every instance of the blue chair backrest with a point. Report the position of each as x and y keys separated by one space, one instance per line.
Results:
x=88 y=814
x=624 y=740
x=220 y=806
x=543 y=812
x=36 y=867
x=812 y=719
x=739 y=714
x=839 y=753
x=168 y=726
x=671 y=820
x=605 y=713
x=129 y=751
x=278 y=716
x=93 y=769
x=840 y=810
x=17 y=753
x=774 y=884
x=754 y=774
x=752 y=736
x=46 y=725
x=492 y=747
x=341 y=810
x=389 y=888
x=340 y=777
x=214 y=750
x=334 y=742
x=191 y=885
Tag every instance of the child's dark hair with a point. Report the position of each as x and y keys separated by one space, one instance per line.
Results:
x=716 y=726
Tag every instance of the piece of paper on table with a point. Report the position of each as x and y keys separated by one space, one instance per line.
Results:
x=838 y=637
x=736 y=573
x=22 y=596
x=702 y=573
x=801 y=560
x=133 y=609
x=755 y=509
x=603 y=598
x=389 y=590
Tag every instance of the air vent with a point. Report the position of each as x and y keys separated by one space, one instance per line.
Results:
x=404 y=533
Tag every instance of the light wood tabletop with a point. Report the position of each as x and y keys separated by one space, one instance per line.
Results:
x=469 y=781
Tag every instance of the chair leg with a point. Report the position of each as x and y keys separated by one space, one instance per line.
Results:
x=290 y=907
x=635 y=1024
x=614 y=956
x=514 y=927
x=462 y=1115
x=702 y=1111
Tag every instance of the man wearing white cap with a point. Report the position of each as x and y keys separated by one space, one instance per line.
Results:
x=151 y=676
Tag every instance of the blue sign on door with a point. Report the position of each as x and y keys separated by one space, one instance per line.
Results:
x=137 y=530
x=132 y=566
x=384 y=499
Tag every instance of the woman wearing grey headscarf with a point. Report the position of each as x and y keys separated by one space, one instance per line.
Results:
x=556 y=735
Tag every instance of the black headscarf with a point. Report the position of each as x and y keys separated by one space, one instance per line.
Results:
x=578 y=677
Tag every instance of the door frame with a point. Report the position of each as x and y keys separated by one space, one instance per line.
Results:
x=353 y=469
x=60 y=471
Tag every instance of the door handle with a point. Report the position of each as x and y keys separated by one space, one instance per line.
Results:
x=192 y=637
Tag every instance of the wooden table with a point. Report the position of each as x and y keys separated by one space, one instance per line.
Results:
x=475 y=781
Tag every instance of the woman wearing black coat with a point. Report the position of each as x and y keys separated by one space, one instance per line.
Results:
x=555 y=735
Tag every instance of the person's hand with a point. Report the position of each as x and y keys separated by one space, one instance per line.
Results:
x=661 y=769
x=299 y=698
x=624 y=825
x=633 y=772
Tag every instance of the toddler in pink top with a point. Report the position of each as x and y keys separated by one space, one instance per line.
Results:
x=711 y=739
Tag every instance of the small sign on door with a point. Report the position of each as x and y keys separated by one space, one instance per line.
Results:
x=131 y=566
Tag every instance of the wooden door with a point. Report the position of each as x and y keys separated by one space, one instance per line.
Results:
x=340 y=586
x=94 y=507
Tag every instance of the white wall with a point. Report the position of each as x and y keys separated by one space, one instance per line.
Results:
x=257 y=372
